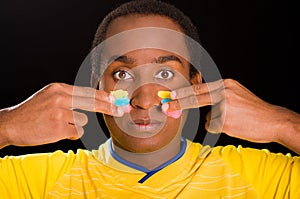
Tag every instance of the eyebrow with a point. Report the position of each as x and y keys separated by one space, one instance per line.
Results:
x=163 y=59
x=159 y=60
x=122 y=58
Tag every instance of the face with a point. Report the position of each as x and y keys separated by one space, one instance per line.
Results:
x=144 y=72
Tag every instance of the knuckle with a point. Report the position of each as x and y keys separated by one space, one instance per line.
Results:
x=57 y=114
x=197 y=88
x=57 y=99
x=229 y=82
x=55 y=87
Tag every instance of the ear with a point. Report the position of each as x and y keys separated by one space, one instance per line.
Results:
x=196 y=79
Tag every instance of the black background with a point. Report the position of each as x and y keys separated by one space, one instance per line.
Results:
x=253 y=42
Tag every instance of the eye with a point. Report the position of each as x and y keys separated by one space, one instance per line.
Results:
x=164 y=74
x=122 y=75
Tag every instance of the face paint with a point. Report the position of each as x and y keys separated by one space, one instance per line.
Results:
x=121 y=100
x=166 y=97
x=174 y=114
x=164 y=94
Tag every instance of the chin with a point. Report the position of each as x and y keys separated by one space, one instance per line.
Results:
x=142 y=145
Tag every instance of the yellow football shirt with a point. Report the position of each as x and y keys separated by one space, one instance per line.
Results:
x=201 y=172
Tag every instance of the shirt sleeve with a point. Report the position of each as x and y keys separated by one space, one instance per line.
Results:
x=32 y=176
x=274 y=175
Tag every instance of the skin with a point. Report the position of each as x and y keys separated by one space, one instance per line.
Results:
x=50 y=115
x=236 y=110
x=144 y=99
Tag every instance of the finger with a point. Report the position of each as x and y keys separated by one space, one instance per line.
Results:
x=216 y=111
x=88 y=99
x=93 y=94
x=69 y=116
x=96 y=105
x=214 y=125
x=74 y=132
x=79 y=119
x=208 y=116
x=197 y=89
x=109 y=109
x=64 y=130
x=188 y=102
x=87 y=92
x=196 y=101
x=215 y=119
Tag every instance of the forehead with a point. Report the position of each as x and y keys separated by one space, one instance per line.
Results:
x=129 y=22
x=147 y=36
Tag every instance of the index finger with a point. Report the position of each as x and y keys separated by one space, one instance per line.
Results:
x=92 y=93
x=197 y=89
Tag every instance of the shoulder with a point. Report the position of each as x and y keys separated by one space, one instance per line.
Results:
x=58 y=158
x=233 y=152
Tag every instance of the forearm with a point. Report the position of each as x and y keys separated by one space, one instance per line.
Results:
x=289 y=129
x=3 y=128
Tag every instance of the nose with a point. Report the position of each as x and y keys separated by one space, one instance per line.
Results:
x=145 y=97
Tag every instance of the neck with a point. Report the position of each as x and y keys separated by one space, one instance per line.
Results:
x=151 y=160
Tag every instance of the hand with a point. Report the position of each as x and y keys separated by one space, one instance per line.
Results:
x=49 y=115
x=237 y=112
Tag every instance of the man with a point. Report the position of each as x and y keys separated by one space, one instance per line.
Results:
x=147 y=157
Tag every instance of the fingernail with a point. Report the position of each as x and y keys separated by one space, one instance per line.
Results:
x=165 y=107
x=173 y=95
x=111 y=98
x=120 y=111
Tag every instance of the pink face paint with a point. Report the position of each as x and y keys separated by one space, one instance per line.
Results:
x=126 y=109
x=174 y=114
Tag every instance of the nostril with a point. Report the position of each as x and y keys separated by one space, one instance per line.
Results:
x=144 y=102
x=145 y=97
x=130 y=101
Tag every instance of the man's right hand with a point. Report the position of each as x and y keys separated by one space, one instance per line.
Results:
x=49 y=115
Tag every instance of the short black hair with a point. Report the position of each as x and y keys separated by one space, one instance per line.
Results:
x=147 y=7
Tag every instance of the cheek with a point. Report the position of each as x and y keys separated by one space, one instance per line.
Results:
x=109 y=121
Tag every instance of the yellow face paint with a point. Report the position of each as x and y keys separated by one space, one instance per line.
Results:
x=164 y=94
x=119 y=93
x=121 y=97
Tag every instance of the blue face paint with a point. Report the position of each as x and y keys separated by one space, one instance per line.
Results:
x=166 y=97
x=121 y=97
x=122 y=101
x=165 y=100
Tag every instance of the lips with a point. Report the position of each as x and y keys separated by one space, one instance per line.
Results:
x=145 y=124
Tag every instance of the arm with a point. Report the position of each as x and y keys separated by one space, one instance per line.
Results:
x=288 y=125
x=50 y=115
x=237 y=112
